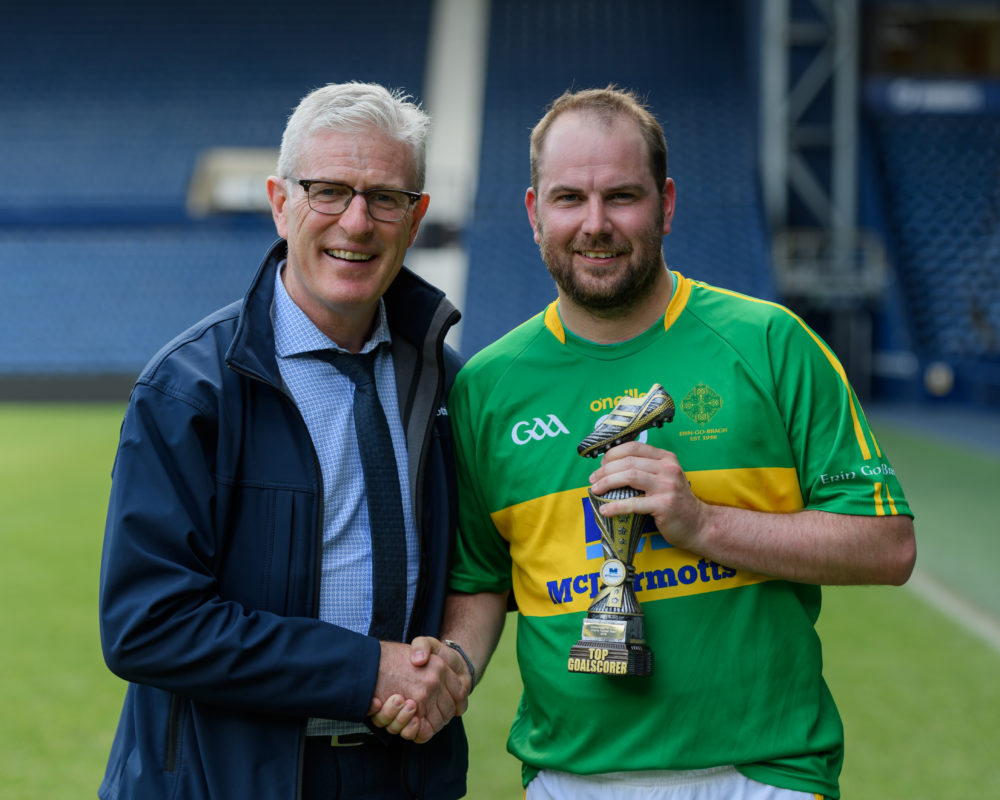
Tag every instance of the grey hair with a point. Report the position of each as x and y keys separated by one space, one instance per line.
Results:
x=356 y=107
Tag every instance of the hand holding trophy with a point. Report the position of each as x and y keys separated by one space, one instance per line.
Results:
x=613 y=641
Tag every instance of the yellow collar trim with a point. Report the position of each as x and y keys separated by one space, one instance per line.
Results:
x=553 y=323
x=678 y=300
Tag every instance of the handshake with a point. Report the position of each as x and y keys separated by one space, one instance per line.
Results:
x=420 y=688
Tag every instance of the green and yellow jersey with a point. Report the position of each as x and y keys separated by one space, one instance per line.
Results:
x=766 y=420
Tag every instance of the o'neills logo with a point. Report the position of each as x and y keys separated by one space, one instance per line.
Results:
x=537 y=429
x=607 y=403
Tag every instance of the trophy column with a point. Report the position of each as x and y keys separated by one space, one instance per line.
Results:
x=613 y=640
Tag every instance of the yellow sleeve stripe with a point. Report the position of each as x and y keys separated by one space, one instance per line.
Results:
x=892 y=503
x=834 y=362
x=879 y=508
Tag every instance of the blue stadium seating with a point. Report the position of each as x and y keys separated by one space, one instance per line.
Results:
x=942 y=186
x=688 y=59
x=109 y=103
x=104 y=110
x=105 y=107
x=104 y=299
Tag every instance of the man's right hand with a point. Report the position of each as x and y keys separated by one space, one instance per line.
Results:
x=419 y=689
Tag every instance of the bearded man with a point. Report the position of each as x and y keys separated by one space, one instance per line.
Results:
x=768 y=484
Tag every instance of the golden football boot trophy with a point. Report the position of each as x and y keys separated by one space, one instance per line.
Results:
x=613 y=641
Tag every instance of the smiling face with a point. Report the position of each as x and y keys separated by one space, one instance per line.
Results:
x=600 y=218
x=339 y=266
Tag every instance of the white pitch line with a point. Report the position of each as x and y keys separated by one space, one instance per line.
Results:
x=969 y=616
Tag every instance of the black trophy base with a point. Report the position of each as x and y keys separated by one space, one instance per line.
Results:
x=611 y=658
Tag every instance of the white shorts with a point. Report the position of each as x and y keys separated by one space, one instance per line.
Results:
x=720 y=783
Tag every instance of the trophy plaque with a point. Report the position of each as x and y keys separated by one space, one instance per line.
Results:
x=613 y=640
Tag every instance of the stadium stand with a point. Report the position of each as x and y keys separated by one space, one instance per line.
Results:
x=689 y=58
x=943 y=186
x=934 y=133
x=106 y=107
x=112 y=101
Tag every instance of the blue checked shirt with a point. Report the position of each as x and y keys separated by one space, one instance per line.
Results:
x=325 y=398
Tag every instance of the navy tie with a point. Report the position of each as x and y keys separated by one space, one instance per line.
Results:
x=385 y=506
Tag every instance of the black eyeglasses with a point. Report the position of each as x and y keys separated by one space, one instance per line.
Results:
x=385 y=205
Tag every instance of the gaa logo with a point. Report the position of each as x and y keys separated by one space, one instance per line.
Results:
x=537 y=429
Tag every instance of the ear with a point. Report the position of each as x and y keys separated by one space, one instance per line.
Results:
x=669 y=203
x=531 y=203
x=277 y=195
x=419 y=209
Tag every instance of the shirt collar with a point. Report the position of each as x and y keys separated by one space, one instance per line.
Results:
x=295 y=333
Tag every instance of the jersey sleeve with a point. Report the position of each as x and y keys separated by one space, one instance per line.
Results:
x=482 y=561
x=841 y=466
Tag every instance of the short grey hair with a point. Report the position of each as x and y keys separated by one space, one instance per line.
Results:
x=356 y=107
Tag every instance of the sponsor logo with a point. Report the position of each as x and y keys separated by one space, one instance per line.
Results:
x=607 y=403
x=565 y=590
x=868 y=471
x=613 y=573
x=537 y=429
x=650 y=536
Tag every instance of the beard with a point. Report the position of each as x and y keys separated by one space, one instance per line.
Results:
x=617 y=292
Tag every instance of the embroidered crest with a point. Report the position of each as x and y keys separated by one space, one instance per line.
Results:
x=701 y=404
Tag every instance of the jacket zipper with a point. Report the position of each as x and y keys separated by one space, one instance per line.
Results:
x=439 y=395
x=419 y=598
x=173 y=734
x=318 y=541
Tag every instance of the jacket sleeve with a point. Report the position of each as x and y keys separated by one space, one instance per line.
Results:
x=165 y=620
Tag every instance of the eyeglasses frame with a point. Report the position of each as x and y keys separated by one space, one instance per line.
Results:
x=305 y=183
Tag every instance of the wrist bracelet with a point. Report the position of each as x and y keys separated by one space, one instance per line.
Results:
x=468 y=661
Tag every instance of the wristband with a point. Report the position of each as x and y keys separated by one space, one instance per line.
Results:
x=468 y=661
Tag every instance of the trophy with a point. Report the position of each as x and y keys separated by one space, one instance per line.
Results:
x=613 y=642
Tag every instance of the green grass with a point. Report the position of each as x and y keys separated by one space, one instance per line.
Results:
x=950 y=490
x=493 y=772
x=920 y=698
x=60 y=703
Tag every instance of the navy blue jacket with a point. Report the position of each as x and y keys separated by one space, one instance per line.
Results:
x=210 y=570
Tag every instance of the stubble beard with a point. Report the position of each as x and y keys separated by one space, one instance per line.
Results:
x=618 y=294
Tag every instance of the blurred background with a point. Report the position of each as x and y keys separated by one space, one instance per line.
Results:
x=838 y=156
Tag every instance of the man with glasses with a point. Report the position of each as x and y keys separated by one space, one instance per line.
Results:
x=282 y=502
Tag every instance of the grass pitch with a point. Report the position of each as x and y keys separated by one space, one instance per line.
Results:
x=919 y=696
x=60 y=704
